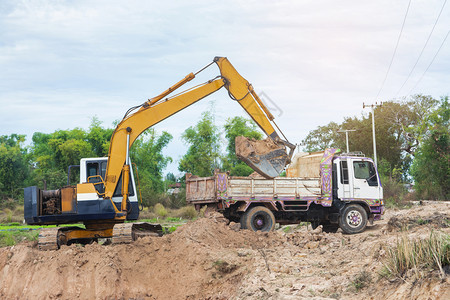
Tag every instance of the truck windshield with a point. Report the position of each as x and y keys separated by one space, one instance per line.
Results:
x=365 y=170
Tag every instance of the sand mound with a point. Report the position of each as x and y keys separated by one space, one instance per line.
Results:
x=209 y=259
x=189 y=263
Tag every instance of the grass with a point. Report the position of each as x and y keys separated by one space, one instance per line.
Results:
x=417 y=258
x=13 y=231
x=224 y=267
x=362 y=280
x=10 y=238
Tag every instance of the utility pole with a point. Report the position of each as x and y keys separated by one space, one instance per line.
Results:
x=372 y=106
x=346 y=136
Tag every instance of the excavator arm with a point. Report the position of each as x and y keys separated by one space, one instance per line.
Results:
x=141 y=117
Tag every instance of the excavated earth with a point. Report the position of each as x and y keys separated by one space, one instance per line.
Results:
x=208 y=259
x=245 y=147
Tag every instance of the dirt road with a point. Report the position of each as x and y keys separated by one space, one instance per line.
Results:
x=208 y=259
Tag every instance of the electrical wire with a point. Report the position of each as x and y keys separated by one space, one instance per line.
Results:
x=421 y=77
x=421 y=52
x=395 y=51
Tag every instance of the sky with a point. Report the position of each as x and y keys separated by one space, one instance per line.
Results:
x=64 y=62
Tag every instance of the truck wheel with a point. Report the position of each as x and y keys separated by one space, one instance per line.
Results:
x=243 y=221
x=258 y=218
x=353 y=219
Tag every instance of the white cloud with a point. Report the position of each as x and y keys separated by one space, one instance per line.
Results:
x=62 y=62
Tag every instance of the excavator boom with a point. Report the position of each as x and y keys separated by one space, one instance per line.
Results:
x=267 y=157
x=267 y=163
x=103 y=206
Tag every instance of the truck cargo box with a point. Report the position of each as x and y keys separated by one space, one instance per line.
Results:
x=202 y=190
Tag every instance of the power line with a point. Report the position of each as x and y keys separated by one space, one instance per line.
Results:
x=395 y=51
x=424 y=46
x=421 y=77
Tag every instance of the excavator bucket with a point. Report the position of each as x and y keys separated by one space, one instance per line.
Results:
x=264 y=156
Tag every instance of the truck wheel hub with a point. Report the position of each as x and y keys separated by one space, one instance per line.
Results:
x=259 y=222
x=354 y=218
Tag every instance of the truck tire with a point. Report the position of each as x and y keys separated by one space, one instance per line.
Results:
x=258 y=218
x=353 y=219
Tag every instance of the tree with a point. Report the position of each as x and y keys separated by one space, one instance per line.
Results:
x=99 y=137
x=202 y=157
x=52 y=153
x=399 y=127
x=14 y=167
x=431 y=167
x=146 y=152
x=238 y=126
x=323 y=137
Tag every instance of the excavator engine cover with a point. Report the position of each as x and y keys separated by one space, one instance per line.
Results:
x=264 y=156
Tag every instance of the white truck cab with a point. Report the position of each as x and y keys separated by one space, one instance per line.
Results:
x=357 y=178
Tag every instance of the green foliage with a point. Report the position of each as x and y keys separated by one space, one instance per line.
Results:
x=160 y=210
x=362 y=280
x=431 y=166
x=187 y=212
x=99 y=138
x=14 y=166
x=399 y=126
x=177 y=200
x=202 y=157
x=147 y=153
x=52 y=153
x=238 y=126
x=394 y=193
x=323 y=137
x=10 y=238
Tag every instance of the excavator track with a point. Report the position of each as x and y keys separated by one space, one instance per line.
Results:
x=48 y=239
x=127 y=232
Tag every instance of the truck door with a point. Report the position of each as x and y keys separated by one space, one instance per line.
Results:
x=366 y=184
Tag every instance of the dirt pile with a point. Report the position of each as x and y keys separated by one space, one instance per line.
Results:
x=245 y=146
x=200 y=260
x=208 y=259
x=264 y=156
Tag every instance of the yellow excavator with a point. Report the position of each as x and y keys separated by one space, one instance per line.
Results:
x=106 y=195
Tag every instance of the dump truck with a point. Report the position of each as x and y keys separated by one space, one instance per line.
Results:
x=325 y=188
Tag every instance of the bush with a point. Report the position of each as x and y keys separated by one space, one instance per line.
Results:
x=394 y=193
x=151 y=198
x=177 y=200
x=147 y=213
x=187 y=212
x=362 y=280
x=8 y=203
x=160 y=210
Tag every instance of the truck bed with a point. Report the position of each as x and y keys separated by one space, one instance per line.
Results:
x=201 y=190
